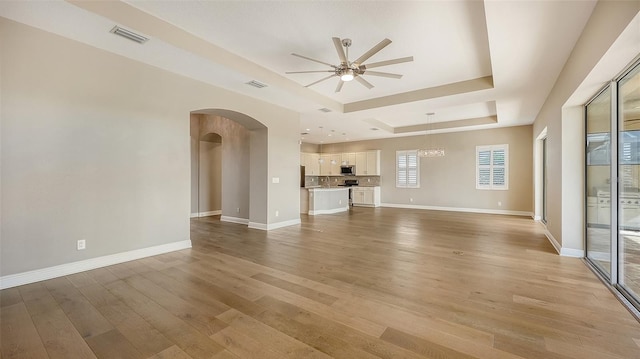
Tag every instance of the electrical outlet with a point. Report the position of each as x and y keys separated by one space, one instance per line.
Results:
x=340 y=202
x=277 y=213
x=82 y=244
x=368 y=179
x=499 y=204
x=410 y=199
x=238 y=210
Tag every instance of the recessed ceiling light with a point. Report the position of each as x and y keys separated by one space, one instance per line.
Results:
x=324 y=109
x=307 y=130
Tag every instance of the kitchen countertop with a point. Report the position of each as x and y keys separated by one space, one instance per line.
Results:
x=316 y=187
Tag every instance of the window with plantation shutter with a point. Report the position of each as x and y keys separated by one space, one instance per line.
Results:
x=407 y=169
x=492 y=167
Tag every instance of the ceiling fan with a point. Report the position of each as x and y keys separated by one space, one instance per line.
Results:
x=350 y=70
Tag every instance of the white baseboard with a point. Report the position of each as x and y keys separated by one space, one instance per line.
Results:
x=328 y=211
x=459 y=209
x=270 y=226
x=563 y=251
x=14 y=280
x=553 y=241
x=234 y=220
x=206 y=214
x=570 y=252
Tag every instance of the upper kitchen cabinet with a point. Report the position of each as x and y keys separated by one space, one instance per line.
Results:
x=311 y=163
x=349 y=158
x=368 y=163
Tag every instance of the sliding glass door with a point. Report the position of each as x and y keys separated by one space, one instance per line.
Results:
x=613 y=183
x=598 y=181
x=629 y=179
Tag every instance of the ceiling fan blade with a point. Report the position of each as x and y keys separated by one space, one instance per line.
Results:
x=364 y=82
x=339 y=87
x=308 y=72
x=322 y=79
x=389 y=62
x=314 y=60
x=372 y=52
x=338 y=44
x=382 y=74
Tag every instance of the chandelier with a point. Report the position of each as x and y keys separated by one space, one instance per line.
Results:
x=430 y=151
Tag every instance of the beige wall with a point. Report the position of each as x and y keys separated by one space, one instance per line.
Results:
x=565 y=126
x=232 y=172
x=96 y=146
x=450 y=181
x=209 y=185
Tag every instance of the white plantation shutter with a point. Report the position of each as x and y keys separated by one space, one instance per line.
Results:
x=492 y=167
x=407 y=169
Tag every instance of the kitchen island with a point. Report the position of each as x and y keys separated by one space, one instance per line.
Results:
x=327 y=200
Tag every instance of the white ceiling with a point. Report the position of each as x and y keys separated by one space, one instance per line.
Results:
x=472 y=59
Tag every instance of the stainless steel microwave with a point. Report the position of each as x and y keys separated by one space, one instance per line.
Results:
x=348 y=170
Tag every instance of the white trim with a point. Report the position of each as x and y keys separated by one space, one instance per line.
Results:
x=268 y=227
x=553 y=241
x=570 y=252
x=563 y=251
x=14 y=280
x=234 y=220
x=206 y=214
x=537 y=218
x=328 y=211
x=458 y=209
x=260 y=226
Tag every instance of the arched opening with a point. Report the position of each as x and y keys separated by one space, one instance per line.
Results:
x=228 y=166
x=206 y=197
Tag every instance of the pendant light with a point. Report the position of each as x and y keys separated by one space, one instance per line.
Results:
x=320 y=159
x=429 y=151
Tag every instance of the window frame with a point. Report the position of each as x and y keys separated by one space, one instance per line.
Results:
x=492 y=167
x=408 y=168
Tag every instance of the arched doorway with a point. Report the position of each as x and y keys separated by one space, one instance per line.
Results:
x=242 y=165
x=206 y=193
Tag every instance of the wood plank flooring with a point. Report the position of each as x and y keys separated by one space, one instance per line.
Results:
x=369 y=283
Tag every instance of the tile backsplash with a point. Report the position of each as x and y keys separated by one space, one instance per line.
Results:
x=310 y=181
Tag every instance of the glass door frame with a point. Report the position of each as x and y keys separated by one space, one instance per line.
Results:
x=632 y=300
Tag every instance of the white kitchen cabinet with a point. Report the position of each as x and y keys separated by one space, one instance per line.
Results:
x=361 y=163
x=604 y=210
x=325 y=164
x=349 y=158
x=629 y=212
x=373 y=163
x=365 y=196
x=368 y=163
x=592 y=210
x=336 y=159
x=310 y=163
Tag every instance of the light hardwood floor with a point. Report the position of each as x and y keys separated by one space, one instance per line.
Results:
x=370 y=283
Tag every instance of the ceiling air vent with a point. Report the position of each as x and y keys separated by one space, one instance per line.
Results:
x=128 y=34
x=256 y=84
x=324 y=109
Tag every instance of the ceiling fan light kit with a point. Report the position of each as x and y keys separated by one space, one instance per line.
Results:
x=349 y=70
